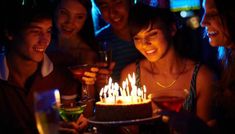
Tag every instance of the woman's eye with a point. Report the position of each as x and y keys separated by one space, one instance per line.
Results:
x=136 y=38
x=35 y=31
x=80 y=17
x=152 y=35
x=62 y=12
x=49 y=30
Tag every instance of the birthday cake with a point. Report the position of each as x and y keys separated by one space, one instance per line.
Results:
x=123 y=103
x=123 y=111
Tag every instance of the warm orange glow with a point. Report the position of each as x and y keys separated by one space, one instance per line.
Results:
x=112 y=93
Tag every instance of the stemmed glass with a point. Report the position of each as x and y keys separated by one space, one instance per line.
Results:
x=170 y=99
x=71 y=111
x=104 y=59
x=105 y=54
x=78 y=72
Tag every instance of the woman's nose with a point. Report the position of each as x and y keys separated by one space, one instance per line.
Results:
x=204 y=21
x=145 y=42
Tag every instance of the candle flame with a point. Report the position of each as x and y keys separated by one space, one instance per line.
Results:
x=114 y=94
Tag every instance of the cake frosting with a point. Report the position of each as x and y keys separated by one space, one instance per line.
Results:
x=123 y=111
x=123 y=103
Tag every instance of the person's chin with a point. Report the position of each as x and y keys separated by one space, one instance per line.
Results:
x=118 y=26
x=66 y=35
x=214 y=44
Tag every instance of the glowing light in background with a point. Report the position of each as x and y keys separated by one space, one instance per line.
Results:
x=23 y=2
x=95 y=15
x=135 y=1
x=180 y=5
x=193 y=22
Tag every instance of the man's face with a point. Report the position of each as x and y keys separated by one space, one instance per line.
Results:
x=33 y=41
x=115 y=12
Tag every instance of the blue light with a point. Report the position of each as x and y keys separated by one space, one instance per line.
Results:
x=95 y=15
x=135 y=1
x=221 y=52
x=180 y=5
x=183 y=14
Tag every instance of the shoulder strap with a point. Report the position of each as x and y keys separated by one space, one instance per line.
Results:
x=137 y=73
x=190 y=101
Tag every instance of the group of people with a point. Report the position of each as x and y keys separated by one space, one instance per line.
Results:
x=43 y=39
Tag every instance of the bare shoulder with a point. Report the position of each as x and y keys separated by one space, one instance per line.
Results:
x=206 y=73
x=206 y=79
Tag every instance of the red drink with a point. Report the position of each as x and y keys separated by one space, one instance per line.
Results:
x=173 y=103
x=79 y=70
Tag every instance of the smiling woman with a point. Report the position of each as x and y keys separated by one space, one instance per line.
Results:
x=156 y=36
x=74 y=34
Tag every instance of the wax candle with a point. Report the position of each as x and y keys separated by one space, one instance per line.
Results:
x=57 y=97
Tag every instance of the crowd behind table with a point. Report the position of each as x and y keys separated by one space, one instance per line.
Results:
x=40 y=40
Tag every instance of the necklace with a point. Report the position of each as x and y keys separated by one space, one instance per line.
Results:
x=173 y=82
x=167 y=86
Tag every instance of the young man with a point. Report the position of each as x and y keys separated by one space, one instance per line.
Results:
x=116 y=34
x=25 y=64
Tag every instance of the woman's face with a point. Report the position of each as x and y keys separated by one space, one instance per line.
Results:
x=115 y=12
x=71 y=16
x=152 y=42
x=216 y=30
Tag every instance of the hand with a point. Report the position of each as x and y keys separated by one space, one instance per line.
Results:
x=68 y=128
x=85 y=73
x=103 y=74
x=73 y=127
x=185 y=122
x=90 y=77
x=82 y=123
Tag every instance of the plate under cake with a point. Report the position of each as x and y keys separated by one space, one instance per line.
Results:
x=123 y=111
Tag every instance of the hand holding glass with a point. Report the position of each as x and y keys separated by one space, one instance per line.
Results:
x=79 y=72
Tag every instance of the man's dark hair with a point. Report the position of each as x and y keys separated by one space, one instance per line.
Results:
x=21 y=16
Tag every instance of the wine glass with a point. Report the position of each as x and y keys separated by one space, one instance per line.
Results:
x=71 y=111
x=105 y=54
x=78 y=72
x=170 y=99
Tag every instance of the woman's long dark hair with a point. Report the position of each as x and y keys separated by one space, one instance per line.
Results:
x=225 y=96
x=87 y=32
x=227 y=15
x=142 y=15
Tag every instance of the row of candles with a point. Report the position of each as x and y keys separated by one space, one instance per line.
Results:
x=113 y=93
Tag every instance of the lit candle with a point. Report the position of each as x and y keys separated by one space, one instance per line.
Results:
x=57 y=97
x=101 y=93
x=127 y=88
x=105 y=92
x=144 y=92
x=139 y=93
